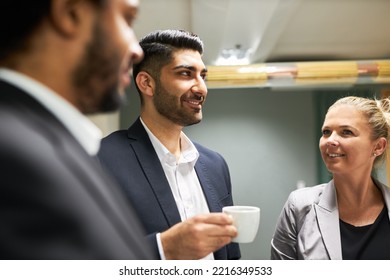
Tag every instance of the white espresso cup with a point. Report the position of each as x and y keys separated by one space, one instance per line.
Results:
x=246 y=219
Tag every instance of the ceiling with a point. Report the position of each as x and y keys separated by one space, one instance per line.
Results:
x=264 y=31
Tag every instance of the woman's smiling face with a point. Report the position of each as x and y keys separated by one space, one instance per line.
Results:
x=346 y=144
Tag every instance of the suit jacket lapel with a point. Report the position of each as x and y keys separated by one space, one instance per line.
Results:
x=153 y=170
x=208 y=189
x=386 y=194
x=211 y=198
x=328 y=218
x=328 y=221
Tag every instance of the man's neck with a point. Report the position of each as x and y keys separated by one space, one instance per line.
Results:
x=166 y=132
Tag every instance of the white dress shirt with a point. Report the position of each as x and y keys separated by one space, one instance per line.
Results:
x=85 y=132
x=182 y=179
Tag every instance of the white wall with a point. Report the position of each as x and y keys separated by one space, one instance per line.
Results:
x=106 y=122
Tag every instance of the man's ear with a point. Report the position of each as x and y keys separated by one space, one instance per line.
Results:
x=145 y=83
x=66 y=15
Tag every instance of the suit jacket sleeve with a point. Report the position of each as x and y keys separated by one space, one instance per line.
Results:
x=283 y=243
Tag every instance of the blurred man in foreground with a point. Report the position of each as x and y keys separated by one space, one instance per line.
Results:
x=60 y=59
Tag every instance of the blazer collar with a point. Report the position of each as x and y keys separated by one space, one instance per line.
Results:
x=153 y=170
x=328 y=221
x=155 y=174
x=207 y=187
x=386 y=194
x=328 y=217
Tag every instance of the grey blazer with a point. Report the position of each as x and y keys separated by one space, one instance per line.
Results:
x=55 y=200
x=308 y=227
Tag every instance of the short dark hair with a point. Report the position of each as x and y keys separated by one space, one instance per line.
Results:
x=19 y=19
x=159 y=47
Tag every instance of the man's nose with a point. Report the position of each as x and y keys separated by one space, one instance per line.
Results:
x=200 y=87
x=136 y=52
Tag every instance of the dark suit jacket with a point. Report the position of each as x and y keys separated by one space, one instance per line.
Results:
x=129 y=155
x=55 y=201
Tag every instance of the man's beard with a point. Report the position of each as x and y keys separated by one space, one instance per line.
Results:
x=97 y=76
x=166 y=105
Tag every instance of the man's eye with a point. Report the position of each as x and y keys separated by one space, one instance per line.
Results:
x=185 y=73
x=130 y=18
x=325 y=132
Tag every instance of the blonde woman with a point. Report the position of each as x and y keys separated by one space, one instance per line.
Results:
x=347 y=218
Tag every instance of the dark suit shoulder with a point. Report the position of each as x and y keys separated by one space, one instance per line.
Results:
x=207 y=152
x=114 y=137
x=114 y=148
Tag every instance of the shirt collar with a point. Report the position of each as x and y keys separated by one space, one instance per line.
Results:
x=189 y=153
x=85 y=132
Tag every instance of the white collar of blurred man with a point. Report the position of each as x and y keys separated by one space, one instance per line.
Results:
x=85 y=132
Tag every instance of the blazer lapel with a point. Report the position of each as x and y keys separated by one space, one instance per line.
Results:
x=208 y=189
x=211 y=198
x=154 y=172
x=328 y=221
x=386 y=194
